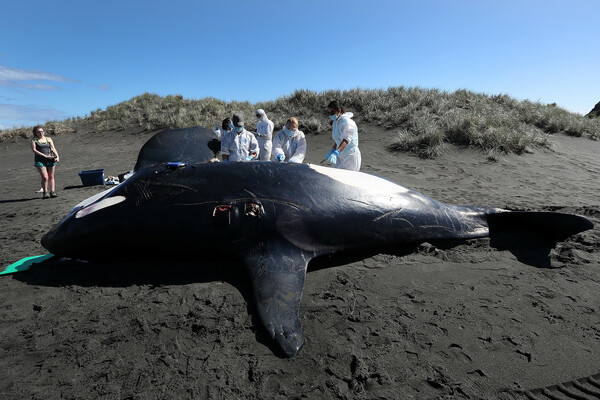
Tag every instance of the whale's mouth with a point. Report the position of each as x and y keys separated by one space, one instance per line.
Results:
x=74 y=236
x=104 y=203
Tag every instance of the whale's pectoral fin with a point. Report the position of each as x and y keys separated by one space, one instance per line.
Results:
x=278 y=280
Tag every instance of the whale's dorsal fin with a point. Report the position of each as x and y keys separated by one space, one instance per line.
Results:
x=278 y=271
x=187 y=145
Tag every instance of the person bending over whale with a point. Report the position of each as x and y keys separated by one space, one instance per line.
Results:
x=290 y=144
x=239 y=144
x=344 y=153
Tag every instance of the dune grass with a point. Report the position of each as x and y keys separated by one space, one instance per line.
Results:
x=420 y=120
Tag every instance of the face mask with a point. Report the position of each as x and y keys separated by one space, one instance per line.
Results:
x=230 y=125
x=288 y=132
x=239 y=128
x=333 y=117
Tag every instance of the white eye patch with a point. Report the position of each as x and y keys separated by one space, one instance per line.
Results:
x=109 y=201
x=95 y=197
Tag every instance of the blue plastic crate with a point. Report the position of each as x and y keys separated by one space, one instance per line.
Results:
x=92 y=177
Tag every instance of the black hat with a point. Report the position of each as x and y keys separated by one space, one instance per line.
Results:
x=238 y=120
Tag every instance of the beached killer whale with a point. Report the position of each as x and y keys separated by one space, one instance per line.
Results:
x=275 y=218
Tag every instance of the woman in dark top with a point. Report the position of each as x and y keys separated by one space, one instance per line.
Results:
x=45 y=159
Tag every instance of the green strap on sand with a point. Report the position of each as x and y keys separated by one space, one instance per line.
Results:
x=24 y=264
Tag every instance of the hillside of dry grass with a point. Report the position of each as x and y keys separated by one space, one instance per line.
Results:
x=595 y=113
x=421 y=120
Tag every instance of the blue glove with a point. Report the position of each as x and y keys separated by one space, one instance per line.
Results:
x=280 y=157
x=249 y=158
x=332 y=156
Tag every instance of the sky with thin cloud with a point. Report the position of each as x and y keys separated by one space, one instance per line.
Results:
x=13 y=112
x=66 y=58
x=20 y=83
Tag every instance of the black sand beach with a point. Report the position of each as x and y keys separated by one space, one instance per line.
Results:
x=466 y=322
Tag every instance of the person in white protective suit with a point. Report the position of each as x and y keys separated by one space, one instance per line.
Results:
x=289 y=144
x=220 y=133
x=344 y=153
x=264 y=133
x=239 y=144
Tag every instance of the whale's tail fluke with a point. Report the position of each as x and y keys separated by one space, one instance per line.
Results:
x=531 y=236
x=554 y=226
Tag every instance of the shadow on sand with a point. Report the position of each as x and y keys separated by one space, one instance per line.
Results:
x=60 y=272
x=20 y=200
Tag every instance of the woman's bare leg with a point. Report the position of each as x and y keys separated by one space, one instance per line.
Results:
x=44 y=175
x=51 y=184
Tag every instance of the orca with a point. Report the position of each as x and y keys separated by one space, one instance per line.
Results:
x=275 y=218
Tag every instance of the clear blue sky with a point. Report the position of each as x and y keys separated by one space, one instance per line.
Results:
x=65 y=58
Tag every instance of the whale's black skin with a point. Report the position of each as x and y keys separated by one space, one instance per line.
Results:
x=187 y=145
x=274 y=217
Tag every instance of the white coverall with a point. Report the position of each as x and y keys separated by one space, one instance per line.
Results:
x=264 y=130
x=220 y=133
x=238 y=146
x=292 y=147
x=345 y=128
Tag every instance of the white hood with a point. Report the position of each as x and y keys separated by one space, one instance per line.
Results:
x=263 y=115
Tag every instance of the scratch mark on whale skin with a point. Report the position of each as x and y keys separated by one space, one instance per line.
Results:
x=393 y=212
x=175 y=185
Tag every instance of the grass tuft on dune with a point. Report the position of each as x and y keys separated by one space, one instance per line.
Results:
x=420 y=120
